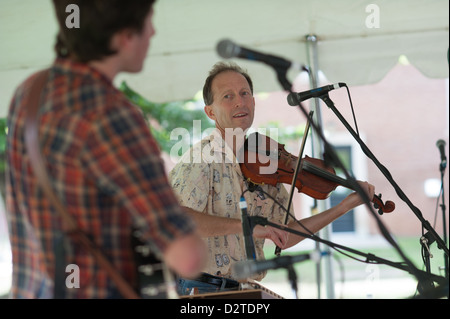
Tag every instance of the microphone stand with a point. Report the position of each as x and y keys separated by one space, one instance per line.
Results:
x=442 y=168
x=247 y=228
x=292 y=276
x=370 y=258
x=426 y=242
x=333 y=158
x=386 y=173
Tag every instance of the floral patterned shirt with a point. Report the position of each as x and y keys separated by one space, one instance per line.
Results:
x=208 y=179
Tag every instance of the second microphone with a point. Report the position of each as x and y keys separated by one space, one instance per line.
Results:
x=294 y=98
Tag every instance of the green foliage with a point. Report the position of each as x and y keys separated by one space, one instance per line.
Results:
x=284 y=135
x=166 y=117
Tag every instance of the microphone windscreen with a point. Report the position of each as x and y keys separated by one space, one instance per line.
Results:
x=227 y=49
x=292 y=101
x=440 y=143
x=243 y=269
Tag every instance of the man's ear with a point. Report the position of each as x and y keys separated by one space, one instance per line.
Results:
x=210 y=112
x=121 y=39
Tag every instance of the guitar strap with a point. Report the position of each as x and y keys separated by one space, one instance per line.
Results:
x=38 y=166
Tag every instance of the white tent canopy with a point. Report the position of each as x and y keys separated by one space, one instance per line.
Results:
x=358 y=40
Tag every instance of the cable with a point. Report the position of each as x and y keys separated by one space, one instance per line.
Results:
x=353 y=111
x=441 y=191
x=317 y=238
x=258 y=188
x=370 y=258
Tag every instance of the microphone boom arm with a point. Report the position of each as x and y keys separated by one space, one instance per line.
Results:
x=227 y=49
x=335 y=159
x=386 y=173
x=370 y=258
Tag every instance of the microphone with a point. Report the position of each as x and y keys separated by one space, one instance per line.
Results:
x=248 y=238
x=245 y=269
x=441 y=145
x=228 y=49
x=295 y=98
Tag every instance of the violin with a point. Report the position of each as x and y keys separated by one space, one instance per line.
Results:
x=314 y=178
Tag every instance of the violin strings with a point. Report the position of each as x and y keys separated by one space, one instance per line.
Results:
x=310 y=167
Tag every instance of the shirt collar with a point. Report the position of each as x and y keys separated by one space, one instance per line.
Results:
x=65 y=65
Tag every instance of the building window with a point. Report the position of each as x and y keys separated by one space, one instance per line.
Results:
x=345 y=223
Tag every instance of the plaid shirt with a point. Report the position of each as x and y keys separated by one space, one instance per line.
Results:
x=105 y=166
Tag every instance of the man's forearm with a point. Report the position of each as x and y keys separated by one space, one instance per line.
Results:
x=210 y=226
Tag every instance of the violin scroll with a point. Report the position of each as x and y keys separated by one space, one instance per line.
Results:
x=387 y=207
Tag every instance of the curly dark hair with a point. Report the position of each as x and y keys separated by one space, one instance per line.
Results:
x=99 y=21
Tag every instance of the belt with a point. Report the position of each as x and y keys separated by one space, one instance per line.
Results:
x=218 y=281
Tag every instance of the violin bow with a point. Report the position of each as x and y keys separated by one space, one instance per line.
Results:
x=294 y=178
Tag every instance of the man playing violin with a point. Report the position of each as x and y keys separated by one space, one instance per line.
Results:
x=209 y=183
